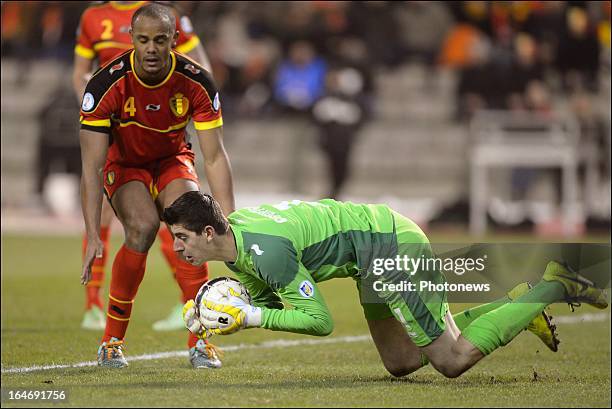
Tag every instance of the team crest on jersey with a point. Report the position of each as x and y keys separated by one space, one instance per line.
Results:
x=179 y=105
x=306 y=289
x=193 y=69
x=110 y=178
x=115 y=67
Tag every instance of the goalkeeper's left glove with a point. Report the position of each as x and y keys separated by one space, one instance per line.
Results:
x=190 y=317
x=244 y=315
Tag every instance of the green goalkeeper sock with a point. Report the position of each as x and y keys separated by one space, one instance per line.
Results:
x=466 y=317
x=498 y=327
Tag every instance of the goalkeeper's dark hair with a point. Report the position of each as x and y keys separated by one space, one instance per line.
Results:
x=156 y=11
x=194 y=211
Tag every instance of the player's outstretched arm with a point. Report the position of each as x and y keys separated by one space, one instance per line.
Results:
x=94 y=146
x=217 y=167
x=309 y=315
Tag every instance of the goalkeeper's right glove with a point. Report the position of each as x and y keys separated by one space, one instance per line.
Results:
x=244 y=315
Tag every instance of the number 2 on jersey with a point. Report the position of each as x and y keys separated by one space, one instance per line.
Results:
x=107 y=34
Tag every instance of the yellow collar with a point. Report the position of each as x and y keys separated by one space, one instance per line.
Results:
x=118 y=6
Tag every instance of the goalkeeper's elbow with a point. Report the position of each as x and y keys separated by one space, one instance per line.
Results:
x=321 y=327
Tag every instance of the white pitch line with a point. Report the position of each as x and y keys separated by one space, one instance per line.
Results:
x=564 y=319
x=586 y=317
x=174 y=354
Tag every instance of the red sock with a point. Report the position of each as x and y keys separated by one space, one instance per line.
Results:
x=128 y=271
x=92 y=290
x=190 y=278
x=193 y=340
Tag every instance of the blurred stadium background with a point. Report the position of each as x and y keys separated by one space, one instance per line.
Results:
x=463 y=115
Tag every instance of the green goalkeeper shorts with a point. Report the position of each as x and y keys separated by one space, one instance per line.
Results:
x=422 y=312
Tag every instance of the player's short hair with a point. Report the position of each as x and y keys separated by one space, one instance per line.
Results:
x=157 y=11
x=194 y=211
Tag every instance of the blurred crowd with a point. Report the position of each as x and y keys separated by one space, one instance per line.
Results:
x=320 y=59
x=283 y=51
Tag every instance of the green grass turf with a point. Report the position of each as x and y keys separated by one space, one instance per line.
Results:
x=42 y=305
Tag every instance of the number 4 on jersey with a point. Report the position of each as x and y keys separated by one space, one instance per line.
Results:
x=129 y=106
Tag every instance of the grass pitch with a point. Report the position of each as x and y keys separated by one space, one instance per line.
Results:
x=42 y=305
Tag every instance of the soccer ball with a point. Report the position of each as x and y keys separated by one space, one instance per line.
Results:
x=219 y=290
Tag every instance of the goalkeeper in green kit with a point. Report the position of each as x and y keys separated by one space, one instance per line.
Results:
x=280 y=252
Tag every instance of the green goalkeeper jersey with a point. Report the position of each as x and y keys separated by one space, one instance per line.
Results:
x=284 y=250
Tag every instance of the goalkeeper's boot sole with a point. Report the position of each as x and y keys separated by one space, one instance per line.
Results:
x=204 y=355
x=578 y=288
x=541 y=326
x=110 y=354
x=94 y=319
x=173 y=322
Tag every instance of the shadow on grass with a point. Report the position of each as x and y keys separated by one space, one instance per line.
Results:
x=215 y=382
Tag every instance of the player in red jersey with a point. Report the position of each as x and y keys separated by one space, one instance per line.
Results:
x=104 y=34
x=142 y=102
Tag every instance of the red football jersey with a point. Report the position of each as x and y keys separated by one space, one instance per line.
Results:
x=147 y=122
x=104 y=32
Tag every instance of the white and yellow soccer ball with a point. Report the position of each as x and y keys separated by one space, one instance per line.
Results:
x=220 y=291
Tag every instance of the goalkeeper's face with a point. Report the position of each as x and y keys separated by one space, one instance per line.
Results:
x=194 y=248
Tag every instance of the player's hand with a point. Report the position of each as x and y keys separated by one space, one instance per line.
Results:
x=190 y=317
x=95 y=249
x=217 y=322
x=215 y=319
